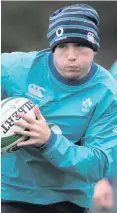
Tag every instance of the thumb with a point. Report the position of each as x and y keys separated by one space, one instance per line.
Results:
x=37 y=113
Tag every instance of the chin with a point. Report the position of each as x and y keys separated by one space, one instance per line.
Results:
x=71 y=76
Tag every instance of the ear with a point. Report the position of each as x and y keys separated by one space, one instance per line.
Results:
x=95 y=53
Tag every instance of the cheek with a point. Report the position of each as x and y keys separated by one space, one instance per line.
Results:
x=86 y=58
x=89 y=55
x=59 y=60
x=84 y=62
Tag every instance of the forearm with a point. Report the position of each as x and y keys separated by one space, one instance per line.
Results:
x=84 y=162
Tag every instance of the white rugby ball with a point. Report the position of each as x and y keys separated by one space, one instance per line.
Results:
x=10 y=108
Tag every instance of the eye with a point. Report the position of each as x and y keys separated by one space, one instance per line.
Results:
x=61 y=45
x=79 y=45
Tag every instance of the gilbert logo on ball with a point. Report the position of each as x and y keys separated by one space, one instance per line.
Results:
x=10 y=108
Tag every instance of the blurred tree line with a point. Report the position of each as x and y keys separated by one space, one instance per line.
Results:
x=24 y=26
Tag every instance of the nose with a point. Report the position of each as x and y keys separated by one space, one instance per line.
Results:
x=71 y=54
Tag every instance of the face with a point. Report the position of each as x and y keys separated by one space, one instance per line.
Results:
x=72 y=60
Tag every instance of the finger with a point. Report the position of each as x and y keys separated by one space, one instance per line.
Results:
x=22 y=123
x=97 y=203
x=108 y=200
x=26 y=143
x=25 y=125
x=27 y=118
x=106 y=204
x=21 y=144
x=27 y=133
x=103 y=202
x=37 y=112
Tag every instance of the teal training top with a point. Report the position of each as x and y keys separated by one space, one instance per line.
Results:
x=82 y=115
x=113 y=70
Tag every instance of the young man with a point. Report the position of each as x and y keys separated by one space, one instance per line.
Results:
x=72 y=139
x=103 y=193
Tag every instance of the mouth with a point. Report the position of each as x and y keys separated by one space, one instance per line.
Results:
x=71 y=66
x=72 y=69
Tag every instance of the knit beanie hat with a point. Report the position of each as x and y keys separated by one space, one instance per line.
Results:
x=76 y=24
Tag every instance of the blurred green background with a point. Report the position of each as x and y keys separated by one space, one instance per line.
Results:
x=24 y=26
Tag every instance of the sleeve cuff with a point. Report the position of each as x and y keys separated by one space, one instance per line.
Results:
x=109 y=179
x=50 y=142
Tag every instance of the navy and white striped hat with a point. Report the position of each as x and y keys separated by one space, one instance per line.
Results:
x=75 y=23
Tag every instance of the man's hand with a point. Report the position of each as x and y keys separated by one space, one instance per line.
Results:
x=103 y=195
x=39 y=132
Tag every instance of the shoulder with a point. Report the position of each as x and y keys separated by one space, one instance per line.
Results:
x=17 y=68
x=19 y=62
x=105 y=80
x=21 y=58
x=113 y=70
x=9 y=59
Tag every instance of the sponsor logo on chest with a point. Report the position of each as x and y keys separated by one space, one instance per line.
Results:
x=36 y=92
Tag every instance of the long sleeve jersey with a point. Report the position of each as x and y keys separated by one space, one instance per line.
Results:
x=82 y=115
